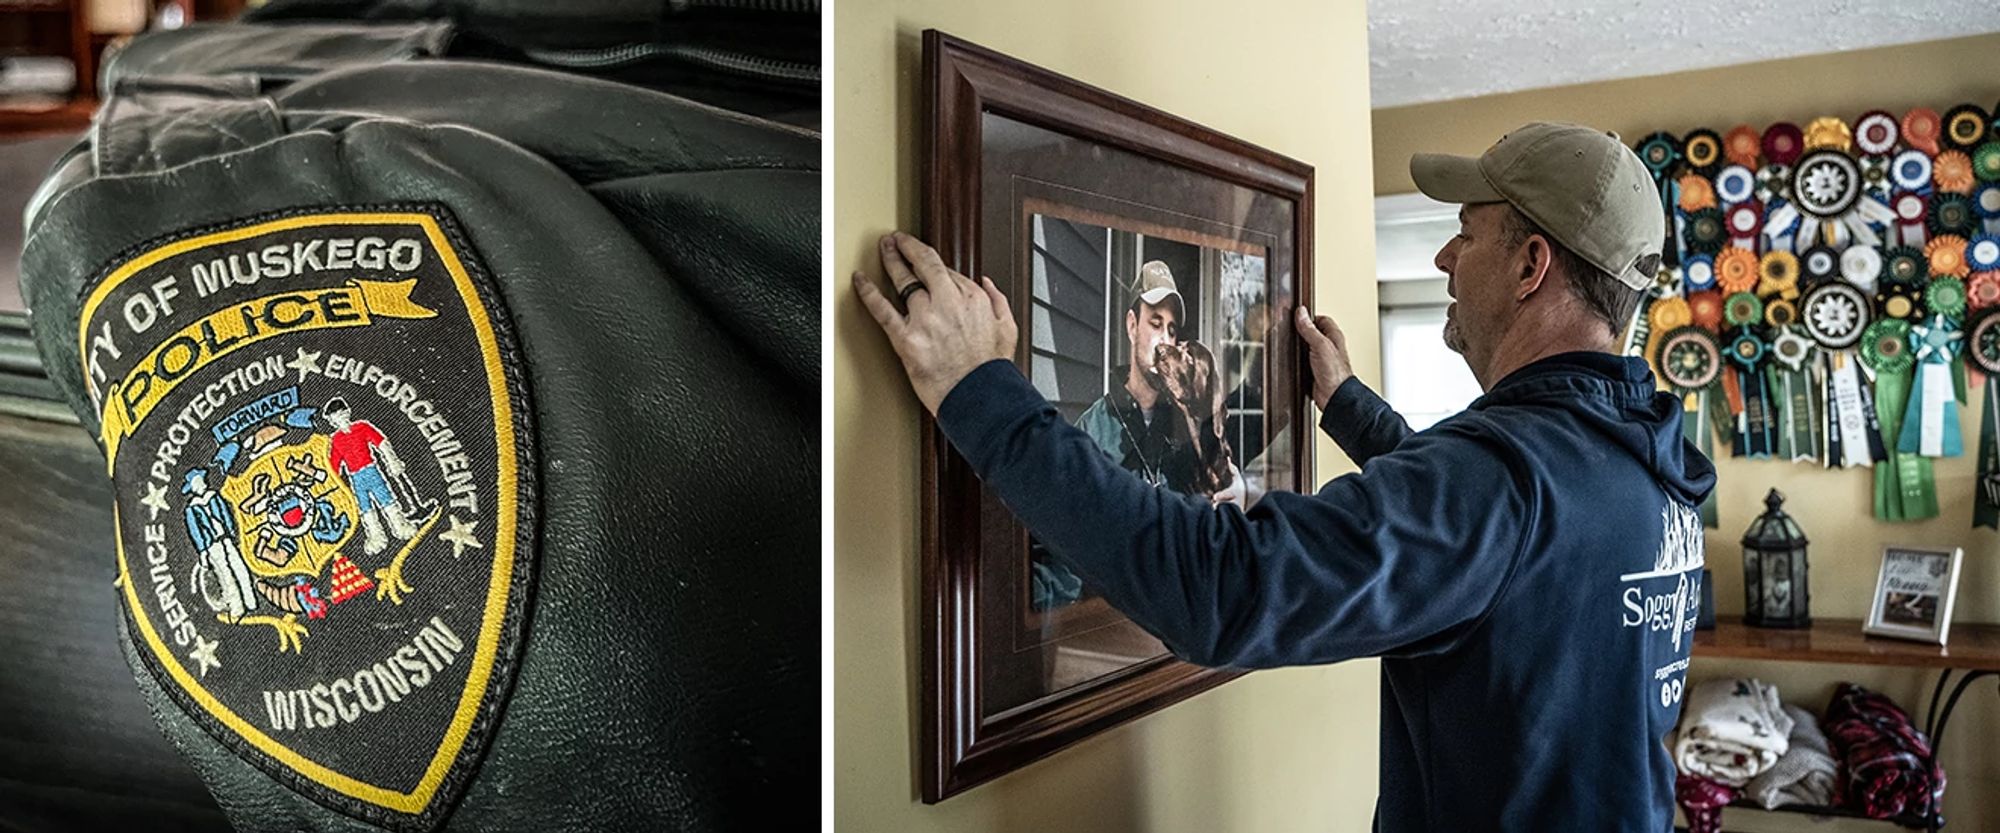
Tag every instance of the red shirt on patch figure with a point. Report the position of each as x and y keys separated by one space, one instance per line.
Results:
x=354 y=447
x=360 y=453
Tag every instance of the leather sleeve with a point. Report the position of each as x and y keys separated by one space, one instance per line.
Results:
x=652 y=265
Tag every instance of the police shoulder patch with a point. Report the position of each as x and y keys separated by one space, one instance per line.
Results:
x=319 y=435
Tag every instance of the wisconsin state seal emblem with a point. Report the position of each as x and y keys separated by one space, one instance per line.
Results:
x=320 y=439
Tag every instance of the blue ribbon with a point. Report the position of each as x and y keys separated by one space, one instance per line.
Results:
x=1935 y=343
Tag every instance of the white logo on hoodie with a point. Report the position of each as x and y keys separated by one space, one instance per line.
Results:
x=1680 y=556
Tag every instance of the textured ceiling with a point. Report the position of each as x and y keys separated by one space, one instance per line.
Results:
x=1434 y=50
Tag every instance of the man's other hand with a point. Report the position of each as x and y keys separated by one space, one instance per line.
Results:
x=950 y=325
x=1326 y=348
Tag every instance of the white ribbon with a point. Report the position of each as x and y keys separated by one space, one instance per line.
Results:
x=1778 y=225
x=1938 y=396
x=1847 y=399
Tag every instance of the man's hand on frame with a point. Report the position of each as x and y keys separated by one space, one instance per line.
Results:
x=949 y=324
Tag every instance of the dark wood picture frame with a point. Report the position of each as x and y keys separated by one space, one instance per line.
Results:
x=961 y=746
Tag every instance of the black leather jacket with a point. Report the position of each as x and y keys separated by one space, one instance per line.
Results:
x=610 y=351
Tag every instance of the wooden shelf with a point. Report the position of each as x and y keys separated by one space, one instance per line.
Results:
x=68 y=118
x=1910 y=822
x=1974 y=647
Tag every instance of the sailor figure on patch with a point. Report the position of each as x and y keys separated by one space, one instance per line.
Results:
x=320 y=442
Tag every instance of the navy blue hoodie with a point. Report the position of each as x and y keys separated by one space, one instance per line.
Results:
x=1529 y=571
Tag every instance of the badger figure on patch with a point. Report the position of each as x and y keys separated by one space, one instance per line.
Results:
x=362 y=455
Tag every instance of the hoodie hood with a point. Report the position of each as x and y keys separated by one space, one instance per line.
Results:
x=1617 y=397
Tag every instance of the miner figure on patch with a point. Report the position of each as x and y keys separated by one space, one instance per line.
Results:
x=360 y=453
x=211 y=524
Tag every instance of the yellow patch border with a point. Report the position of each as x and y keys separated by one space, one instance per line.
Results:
x=487 y=649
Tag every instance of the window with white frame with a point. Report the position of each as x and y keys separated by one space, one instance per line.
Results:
x=1421 y=378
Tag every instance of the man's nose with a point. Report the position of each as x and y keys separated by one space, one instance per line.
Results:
x=1445 y=257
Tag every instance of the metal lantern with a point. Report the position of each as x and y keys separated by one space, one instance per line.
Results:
x=1775 y=592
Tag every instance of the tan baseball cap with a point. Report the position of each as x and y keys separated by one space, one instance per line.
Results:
x=1156 y=284
x=1583 y=186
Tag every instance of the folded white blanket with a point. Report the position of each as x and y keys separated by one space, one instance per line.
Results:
x=1804 y=774
x=1731 y=730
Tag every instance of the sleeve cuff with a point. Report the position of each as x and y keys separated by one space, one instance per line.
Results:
x=981 y=406
x=1343 y=405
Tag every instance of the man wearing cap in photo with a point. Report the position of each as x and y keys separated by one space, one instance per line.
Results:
x=1126 y=422
x=1528 y=569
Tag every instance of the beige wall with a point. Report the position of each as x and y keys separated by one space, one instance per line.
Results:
x=1833 y=507
x=1277 y=751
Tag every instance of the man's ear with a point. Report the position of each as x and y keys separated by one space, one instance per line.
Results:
x=1537 y=256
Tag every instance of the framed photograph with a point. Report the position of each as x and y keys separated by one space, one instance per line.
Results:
x=1914 y=593
x=1154 y=265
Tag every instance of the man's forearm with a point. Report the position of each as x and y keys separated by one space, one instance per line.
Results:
x=1361 y=423
x=1143 y=547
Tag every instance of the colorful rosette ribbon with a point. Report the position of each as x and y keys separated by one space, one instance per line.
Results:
x=1829 y=133
x=1744 y=219
x=1861 y=265
x=1952 y=171
x=1953 y=214
x=1774 y=182
x=1899 y=301
x=1783 y=142
x=1875 y=132
x=1742 y=308
x=1780 y=313
x=1930 y=423
x=1910 y=171
x=1777 y=269
x=1698 y=273
x=1735 y=270
x=1965 y=126
x=1986 y=162
x=1735 y=184
x=1689 y=360
x=1705 y=231
x=1875 y=175
x=1705 y=310
x=1741 y=145
x=1982 y=253
x=1986 y=204
x=1696 y=193
x=1946 y=296
x=1703 y=150
x=1946 y=256
x=1921 y=127
x=1911 y=213
x=1885 y=346
x=1982 y=290
x=1834 y=315
x=1904 y=264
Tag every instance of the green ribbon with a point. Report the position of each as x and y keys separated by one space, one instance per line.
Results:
x=1986 y=497
x=1697 y=427
x=1905 y=487
x=1792 y=395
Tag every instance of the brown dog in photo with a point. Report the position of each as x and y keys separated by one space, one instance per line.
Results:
x=1186 y=374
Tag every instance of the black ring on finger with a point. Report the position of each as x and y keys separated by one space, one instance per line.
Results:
x=913 y=288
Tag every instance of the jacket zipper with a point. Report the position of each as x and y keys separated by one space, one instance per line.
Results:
x=733 y=63
x=803 y=6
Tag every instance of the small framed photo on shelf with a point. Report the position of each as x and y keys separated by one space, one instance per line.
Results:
x=1914 y=593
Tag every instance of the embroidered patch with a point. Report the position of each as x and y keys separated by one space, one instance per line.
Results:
x=319 y=438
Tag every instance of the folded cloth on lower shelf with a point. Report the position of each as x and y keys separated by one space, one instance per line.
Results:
x=1805 y=774
x=1731 y=730
x=1702 y=800
x=1887 y=769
